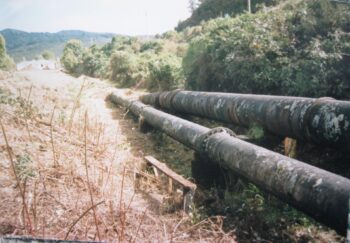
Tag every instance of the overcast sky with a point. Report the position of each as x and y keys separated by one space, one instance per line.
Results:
x=130 y=17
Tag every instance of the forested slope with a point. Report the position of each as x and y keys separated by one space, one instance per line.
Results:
x=29 y=45
x=301 y=49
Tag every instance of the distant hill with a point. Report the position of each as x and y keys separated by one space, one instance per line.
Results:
x=28 y=45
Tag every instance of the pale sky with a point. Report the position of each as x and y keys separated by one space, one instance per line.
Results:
x=130 y=17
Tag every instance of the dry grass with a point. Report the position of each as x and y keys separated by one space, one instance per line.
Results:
x=73 y=178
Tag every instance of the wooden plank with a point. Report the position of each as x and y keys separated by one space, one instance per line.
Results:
x=155 y=170
x=170 y=185
x=188 y=195
x=189 y=188
x=167 y=171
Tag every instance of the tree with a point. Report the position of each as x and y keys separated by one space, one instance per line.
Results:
x=123 y=66
x=165 y=73
x=193 y=5
x=204 y=10
x=95 y=62
x=72 y=58
x=284 y=52
x=2 y=46
x=6 y=63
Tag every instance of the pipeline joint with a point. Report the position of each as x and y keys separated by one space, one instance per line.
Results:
x=213 y=131
x=310 y=131
x=167 y=100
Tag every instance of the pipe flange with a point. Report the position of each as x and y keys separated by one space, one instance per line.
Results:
x=213 y=131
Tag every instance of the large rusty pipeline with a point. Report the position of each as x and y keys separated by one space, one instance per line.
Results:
x=319 y=193
x=322 y=121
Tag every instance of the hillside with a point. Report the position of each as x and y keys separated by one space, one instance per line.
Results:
x=296 y=48
x=21 y=44
x=211 y=9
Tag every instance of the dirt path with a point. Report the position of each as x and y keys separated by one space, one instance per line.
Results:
x=79 y=183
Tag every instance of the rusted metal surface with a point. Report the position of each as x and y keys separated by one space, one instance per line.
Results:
x=321 y=121
x=319 y=193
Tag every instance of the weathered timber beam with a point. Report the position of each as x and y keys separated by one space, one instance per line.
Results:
x=171 y=174
x=321 y=121
x=319 y=193
x=189 y=188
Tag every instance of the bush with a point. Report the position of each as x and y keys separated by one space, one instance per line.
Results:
x=155 y=64
x=165 y=73
x=72 y=58
x=95 y=63
x=197 y=66
x=48 y=55
x=122 y=43
x=123 y=67
x=299 y=50
x=153 y=45
x=2 y=46
x=210 y=9
x=6 y=62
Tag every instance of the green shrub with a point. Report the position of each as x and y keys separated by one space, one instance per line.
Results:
x=197 y=66
x=210 y=9
x=48 y=55
x=153 y=45
x=122 y=43
x=165 y=73
x=128 y=61
x=6 y=62
x=172 y=36
x=255 y=132
x=300 y=50
x=2 y=46
x=95 y=63
x=72 y=58
x=123 y=67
